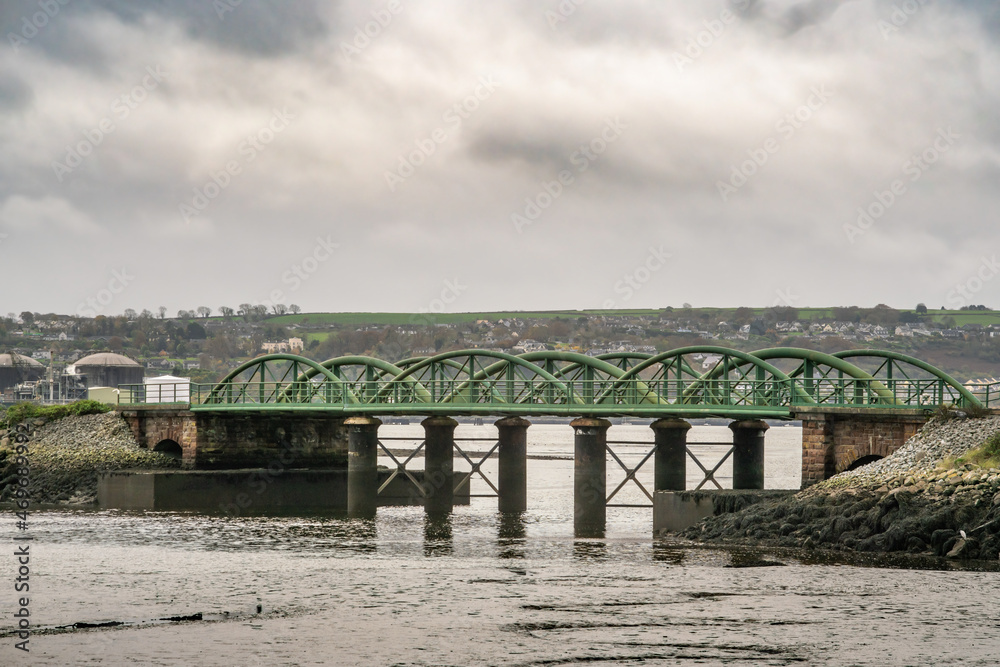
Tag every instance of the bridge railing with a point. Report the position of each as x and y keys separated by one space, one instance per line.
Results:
x=988 y=393
x=849 y=392
x=533 y=394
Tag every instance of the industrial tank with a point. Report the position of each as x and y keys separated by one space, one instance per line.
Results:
x=16 y=368
x=107 y=369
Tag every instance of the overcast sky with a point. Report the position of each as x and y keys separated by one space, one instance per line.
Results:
x=398 y=156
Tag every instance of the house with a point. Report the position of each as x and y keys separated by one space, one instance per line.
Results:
x=529 y=345
x=710 y=361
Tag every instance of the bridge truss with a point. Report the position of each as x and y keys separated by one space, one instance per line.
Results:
x=696 y=381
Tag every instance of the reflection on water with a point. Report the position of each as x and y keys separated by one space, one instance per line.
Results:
x=438 y=540
x=589 y=550
x=667 y=552
x=511 y=533
x=476 y=587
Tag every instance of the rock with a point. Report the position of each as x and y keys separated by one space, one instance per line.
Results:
x=67 y=454
x=964 y=547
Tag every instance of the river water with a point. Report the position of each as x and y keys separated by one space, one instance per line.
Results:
x=478 y=590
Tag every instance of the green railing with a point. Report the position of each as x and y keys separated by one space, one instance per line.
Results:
x=539 y=396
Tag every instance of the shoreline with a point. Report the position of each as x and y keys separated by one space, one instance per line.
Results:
x=924 y=500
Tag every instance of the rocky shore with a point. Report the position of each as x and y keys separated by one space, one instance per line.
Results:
x=923 y=499
x=66 y=455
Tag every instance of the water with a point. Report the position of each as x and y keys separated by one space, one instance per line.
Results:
x=476 y=590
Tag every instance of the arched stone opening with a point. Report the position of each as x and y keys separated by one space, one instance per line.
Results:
x=863 y=461
x=170 y=448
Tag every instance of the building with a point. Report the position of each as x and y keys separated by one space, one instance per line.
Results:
x=107 y=369
x=17 y=368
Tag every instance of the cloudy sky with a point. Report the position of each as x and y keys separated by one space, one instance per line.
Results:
x=398 y=156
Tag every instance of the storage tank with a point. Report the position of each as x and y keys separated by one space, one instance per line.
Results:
x=107 y=369
x=16 y=368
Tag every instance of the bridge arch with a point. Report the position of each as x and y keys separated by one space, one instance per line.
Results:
x=360 y=375
x=274 y=378
x=726 y=383
x=169 y=447
x=895 y=372
x=456 y=378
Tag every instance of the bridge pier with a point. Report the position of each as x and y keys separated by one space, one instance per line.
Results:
x=439 y=464
x=362 y=466
x=670 y=459
x=834 y=438
x=748 y=454
x=590 y=438
x=513 y=464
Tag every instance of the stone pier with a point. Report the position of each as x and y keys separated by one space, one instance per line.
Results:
x=833 y=439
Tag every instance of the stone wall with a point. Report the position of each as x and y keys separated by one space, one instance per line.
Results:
x=831 y=442
x=249 y=440
x=243 y=440
x=152 y=426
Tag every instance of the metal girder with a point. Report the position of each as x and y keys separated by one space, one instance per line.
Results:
x=482 y=382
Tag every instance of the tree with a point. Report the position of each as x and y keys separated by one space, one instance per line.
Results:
x=27 y=318
x=295 y=309
x=742 y=316
x=196 y=331
x=130 y=314
x=163 y=311
x=279 y=309
x=245 y=311
x=921 y=308
x=221 y=347
x=226 y=312
x=145 y=314
x=204 y=311
x=115 y=343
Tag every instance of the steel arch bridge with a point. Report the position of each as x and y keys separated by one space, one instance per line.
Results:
x=696 y=381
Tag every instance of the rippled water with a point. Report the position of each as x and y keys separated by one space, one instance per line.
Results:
x=479 y=589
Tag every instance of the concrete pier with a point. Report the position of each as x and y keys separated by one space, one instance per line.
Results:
x=670 y=459
x=748 y=454
x=590 y=437
x=362 y=466
x=513 y=464
x=439 y=464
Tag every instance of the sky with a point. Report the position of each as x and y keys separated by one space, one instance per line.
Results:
x=465 y=156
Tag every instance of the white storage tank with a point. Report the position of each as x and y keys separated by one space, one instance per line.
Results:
x=167 y=389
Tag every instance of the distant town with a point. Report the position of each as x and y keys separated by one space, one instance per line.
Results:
x=43 y=354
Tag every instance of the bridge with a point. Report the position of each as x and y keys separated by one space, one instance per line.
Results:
x=854 y=405
x=675 y=383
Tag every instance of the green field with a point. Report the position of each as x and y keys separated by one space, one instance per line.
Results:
x=401 y=319
x=984 y=317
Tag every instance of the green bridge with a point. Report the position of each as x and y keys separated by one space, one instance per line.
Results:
x=697 y=381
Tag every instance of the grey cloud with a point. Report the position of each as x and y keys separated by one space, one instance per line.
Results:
x=15 y=93
x=809 y=13
x=325 y=175
x=253 y=27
